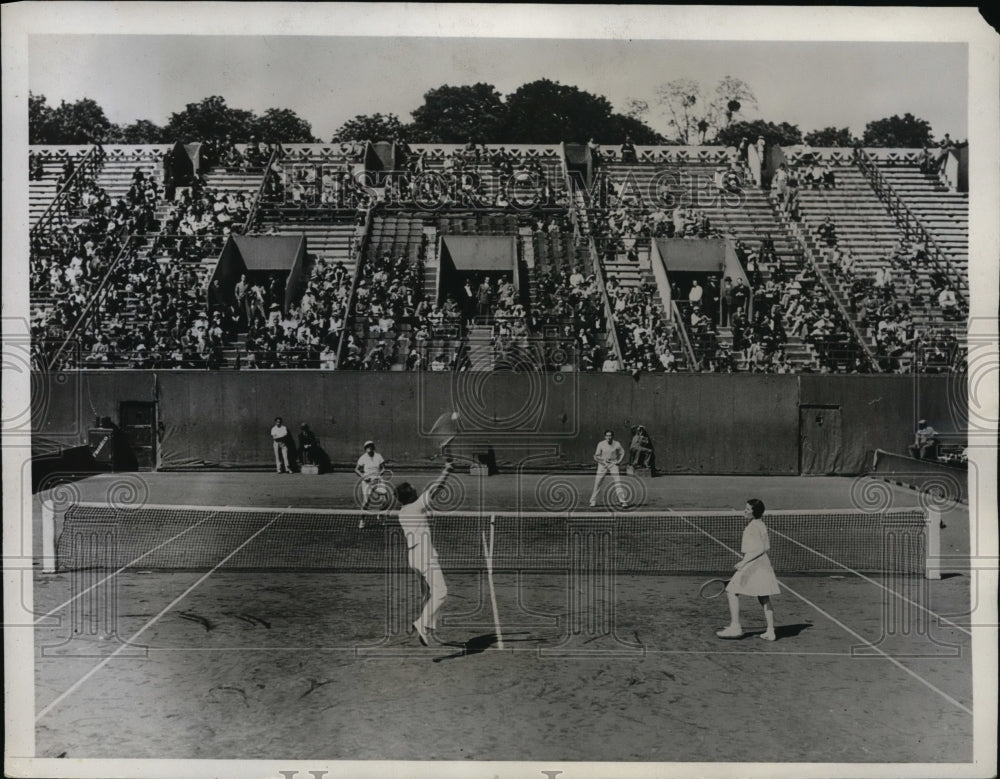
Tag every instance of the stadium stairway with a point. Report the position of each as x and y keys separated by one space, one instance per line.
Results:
x=747 y=216
x=943 y=212
x=402 y=235
x=43 y=191
x=865 y=227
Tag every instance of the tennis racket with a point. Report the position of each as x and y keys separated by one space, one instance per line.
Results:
x=442 y=433
x=713 y=588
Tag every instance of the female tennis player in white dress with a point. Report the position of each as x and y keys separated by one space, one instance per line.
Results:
x=754 y=574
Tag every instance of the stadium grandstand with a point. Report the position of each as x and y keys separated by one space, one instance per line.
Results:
x=382 y=256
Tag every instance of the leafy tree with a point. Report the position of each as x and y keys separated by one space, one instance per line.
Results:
x=619 y=127
x=40 y=127
x=456 y=114
x=373 y=127
x=732 y=95
x=211 y=119
x=831 y=136
x=80 y=122
x=141 y=131
x=282 y=125
x=685 y=105
x=546 y=111
x=783 y=134
x=905 y=132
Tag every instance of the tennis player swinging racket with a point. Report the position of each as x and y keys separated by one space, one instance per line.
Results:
x=414 y=518
x=754 y=575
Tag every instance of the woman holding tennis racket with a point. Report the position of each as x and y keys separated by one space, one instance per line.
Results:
x=414 y=518
x=754 y=574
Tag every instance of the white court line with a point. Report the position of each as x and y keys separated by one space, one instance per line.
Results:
x=82 y=680
x=488 y=551
x=857 y=636
x=872 y=581
x=110 y=576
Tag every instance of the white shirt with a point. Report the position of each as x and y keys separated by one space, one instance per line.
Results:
x=609 y=453
x=413 y=518
x=279 y=432
x=371 y=465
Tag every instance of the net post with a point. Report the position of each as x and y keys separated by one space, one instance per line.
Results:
x=932 y=564
x=48 y=538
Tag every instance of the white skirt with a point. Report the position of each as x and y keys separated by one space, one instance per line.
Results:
x=755 y=578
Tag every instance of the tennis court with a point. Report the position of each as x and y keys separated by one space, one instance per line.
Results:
x=569 y=633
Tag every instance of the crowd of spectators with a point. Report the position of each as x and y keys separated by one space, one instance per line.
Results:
x=644 y=332
x=389 y=296
x=475 y=176
x=569 y=305
x=762 y=317
x=888 y=302
x=202 y=211
x=68 y=262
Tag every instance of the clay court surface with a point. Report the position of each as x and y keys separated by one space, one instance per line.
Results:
x=319 y=665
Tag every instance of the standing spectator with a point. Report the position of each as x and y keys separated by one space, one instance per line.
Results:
x=696 y=293
x=628 y=151
x=741 y=297
x=924 y=442
x=280 y=438
x=608 y=455
x=728 y=300
x=307 y=444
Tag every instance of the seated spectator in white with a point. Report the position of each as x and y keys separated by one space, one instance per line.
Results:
x=924 y=446
x=948 y=303
x=611 y=365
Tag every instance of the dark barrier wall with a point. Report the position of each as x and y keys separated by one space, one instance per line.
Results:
x=686 y=254
x=699 y=423
x=880 y=412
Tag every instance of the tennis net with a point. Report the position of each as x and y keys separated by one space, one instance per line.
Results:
x=93 y=535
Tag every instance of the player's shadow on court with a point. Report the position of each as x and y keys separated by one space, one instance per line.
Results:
x=784 y=631
x=474 y=646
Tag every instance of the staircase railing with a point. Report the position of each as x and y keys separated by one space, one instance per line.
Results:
x=906 y=219
x=359 y=249
x=870 y=358
x=96 y=298
x=255 y=206
x=90 y=164
x=685 y=340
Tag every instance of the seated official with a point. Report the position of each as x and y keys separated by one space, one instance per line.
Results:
x=641 y=454
x=924 y=446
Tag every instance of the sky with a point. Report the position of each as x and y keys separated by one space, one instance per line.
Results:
x=327 y=80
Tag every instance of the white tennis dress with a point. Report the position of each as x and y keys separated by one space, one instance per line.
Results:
x=756 y=577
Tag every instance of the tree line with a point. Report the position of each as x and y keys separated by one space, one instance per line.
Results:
x=542 y=111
